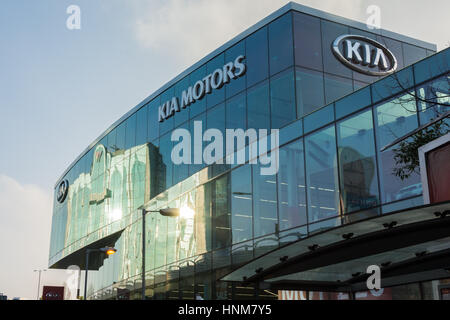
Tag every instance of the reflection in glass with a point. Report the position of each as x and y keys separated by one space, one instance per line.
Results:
x=264 y=203
x=358 y=172
x=322 y=175
x=435 y=99
x=221 y=213
x=165 y=149
x=394 y=119
x=291 y=186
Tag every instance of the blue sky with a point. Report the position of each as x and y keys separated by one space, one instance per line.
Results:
x=60 y=88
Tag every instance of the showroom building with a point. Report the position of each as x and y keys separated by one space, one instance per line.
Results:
x=344 y=99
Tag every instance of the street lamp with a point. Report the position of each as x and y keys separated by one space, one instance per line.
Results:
x=169 y=212
x=39 y=281
x=106 y=250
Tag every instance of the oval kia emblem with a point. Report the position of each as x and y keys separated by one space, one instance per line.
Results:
x=63 y=188
x=364 y=55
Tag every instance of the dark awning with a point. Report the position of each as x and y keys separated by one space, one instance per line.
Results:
x=409 y=245
x=95 y=258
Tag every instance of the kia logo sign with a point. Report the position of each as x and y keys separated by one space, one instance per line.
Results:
x=364 y=55
x=63 y=188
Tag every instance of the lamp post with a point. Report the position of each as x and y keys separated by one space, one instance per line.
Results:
x=169 y=212
x=107 y=250
x=39 y=281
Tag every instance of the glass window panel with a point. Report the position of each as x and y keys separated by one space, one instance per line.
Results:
x=120 y=136
x=357 y=161
x=221 y=213
x=353 y=102
x=395 y=47
x=432 y=67
x=413 y=54
x=310 y=93
x=221 y=259
x=217 y=95
x=257 y=57
x=434 y=99
x=203 y=277
x=193 y=168
x=319 y=118
x=235 y=85
x=168 y=124
x=203 y=197
x=130 y=135
x=336 y=87
x=258 y=106
x=200 y=105
x=265 y=244
x=241 y=204
x=236 y=113
x=282 y=97
x=153 y=123
x=307 y=41
x=358 y=85
x=215 y=119
x=160 y=241
x=141 y=126
x=264 y=202
x=183 y=115
x=293 y=235
x=393 y=120
x=389 y=86
x=166 y=166
x=330 y=31
x=181 y=171
x=322 y=175
x=291 y=132
x=393 y=188
x=281 y=44
x=241 y=253
x=291 y=186
x=111 y=141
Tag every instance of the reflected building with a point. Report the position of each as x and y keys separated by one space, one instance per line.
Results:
x=340 y=128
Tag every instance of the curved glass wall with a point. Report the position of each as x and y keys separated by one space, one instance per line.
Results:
x=331 y=168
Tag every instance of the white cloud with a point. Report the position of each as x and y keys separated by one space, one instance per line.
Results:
x=187 y=30
x=25 y=224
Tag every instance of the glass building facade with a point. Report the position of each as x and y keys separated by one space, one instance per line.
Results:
x=333 y=121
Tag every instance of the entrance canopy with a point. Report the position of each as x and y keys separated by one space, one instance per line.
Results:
x=409 y=246
x=95 y=259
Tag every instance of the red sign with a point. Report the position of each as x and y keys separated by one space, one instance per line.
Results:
x=382 y=294
x=53 y=293
x=438 y=170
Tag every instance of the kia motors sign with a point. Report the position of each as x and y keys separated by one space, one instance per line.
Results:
x=364 y=55
x=214 y=81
